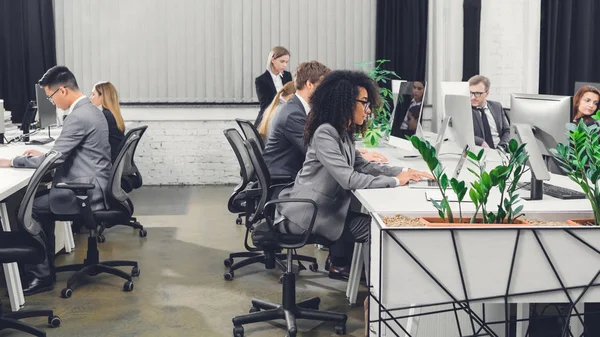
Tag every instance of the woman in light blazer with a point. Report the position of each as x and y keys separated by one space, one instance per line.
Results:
x=333 y=167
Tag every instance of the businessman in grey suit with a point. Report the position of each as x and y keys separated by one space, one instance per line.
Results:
x=85 y=158
x=334 y=167
x=490 y=124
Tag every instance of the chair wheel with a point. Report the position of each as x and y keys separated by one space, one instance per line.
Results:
x=66 y=293
x=238 y=331
x=340 y=329
x=143 y=233
x=54 y=321
x=238 y=221
x=313 y=267
x=228 y=262
x=135 y=271
x=254 y=309
x=128 y=286
x=101 y=238
x=228 y=276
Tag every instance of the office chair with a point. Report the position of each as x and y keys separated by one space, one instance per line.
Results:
x=131 y=178
x=250 y=132
x=243 y=199
x=267 y=237
x=119 y=210
x=27 y=245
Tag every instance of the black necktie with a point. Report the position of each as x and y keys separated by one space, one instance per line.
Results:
x=487 y=133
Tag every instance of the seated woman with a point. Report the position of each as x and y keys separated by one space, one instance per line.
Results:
x=333 y=167
x=585 y=104
x=105 y=97
x=282 y=96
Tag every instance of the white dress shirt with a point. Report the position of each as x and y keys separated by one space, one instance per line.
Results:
x=276 y=80
x=304 y=104
x=492 y=123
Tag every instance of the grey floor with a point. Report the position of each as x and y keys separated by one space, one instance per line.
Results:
x=181 y=290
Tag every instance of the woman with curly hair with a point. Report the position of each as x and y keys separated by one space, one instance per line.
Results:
x=333 y=167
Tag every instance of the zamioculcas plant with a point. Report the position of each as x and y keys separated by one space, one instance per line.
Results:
x=580 y=160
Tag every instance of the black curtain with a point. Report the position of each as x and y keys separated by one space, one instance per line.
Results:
x=471 y=35
x=569 y=45
x=401 y=37
x=27 y=50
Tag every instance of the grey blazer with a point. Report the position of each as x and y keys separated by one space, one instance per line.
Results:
x=85 y=158
x=332 y=169
x=502 y=124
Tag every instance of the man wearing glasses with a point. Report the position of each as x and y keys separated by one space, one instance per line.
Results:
x=492 y=129
x=85 y=158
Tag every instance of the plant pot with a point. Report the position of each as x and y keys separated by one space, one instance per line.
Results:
x=581 y=222
x=438 y=222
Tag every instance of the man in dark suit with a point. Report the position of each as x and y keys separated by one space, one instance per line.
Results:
x=284 y=149
x=85 y=158
x=490 y=124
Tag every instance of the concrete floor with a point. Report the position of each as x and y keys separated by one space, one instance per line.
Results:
x=181 y=290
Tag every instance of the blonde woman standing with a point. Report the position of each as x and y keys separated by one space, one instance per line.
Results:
x=273 y=79
x=105 y=97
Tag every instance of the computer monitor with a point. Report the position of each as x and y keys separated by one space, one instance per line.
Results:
x=2 y=128
x=578 y=85
x=458 y=109
x=408 y=98
x=46 y=112
x=450 y=88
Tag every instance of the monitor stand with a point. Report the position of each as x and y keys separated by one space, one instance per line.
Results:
x=536 y=188
x=42 y=141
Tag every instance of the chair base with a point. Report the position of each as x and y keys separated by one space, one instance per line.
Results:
x=10 y=321
x=92 y=266
x=262 y=311
x=257 y=257
x=133 y=223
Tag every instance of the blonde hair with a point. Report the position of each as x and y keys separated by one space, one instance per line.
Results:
x=276 y=53
x=110 y=101
x=286 y=90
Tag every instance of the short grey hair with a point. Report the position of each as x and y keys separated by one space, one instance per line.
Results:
x=480 y=79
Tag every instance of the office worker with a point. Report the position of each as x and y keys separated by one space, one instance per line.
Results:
x=585 y=104
x=490 y=124
x=333 y=167
x=283 y=95
x=284 y=149
x=104 y=96
x=412 y=119
x=85 y=158
x=272 y=80
x=418 y=90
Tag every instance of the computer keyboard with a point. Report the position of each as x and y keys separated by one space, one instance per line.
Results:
x=557 y=191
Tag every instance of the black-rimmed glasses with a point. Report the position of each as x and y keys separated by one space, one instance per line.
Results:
x=54 y=93
x=366 y=104
x=477 y=94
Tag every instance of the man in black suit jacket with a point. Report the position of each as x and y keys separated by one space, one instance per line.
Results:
x=265 y=90
x=490 y=125
x=284 y=149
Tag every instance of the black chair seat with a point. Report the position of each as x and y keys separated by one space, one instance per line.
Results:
x=15 y=246
x=262 y=237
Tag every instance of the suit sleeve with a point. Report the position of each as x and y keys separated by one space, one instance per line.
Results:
x=364 y=166
x=505 y=127
x=478 y=140
x=261 y=93
x=73 y=133
x=327 y=148
x=294 y=129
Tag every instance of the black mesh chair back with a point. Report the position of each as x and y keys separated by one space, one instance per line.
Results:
x=115 y=191
x=25 y=218
x=250 y=132
x=130 y=171
x=246 y=168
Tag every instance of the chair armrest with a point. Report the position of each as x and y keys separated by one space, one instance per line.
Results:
x=78 y=188
x=281 y=179
x=269 y=219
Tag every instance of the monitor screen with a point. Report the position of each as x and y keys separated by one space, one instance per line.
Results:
x=408 y=110
x=46 y=110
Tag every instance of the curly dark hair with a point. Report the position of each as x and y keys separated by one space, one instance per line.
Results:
x=334 y=100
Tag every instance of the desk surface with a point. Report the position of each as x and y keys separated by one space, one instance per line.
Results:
x=411 y=202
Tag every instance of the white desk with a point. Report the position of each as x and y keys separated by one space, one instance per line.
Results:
x=412 y=203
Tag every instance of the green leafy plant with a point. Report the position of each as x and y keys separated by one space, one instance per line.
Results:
x=372 y=137
x=382 y=115
x=580 y=160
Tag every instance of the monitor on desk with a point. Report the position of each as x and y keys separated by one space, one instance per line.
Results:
x=450 y=88
x=2 y=127
x=458 y=109
x=46 y=112
x=578 y=85
x=408 y=109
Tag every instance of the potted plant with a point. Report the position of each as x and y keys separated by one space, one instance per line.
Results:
x=379 y=126
x=580 y=160
x=504 y=177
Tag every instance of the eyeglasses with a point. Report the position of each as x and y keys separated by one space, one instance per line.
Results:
x=366 y=104
x=54 y=93
x=477 y=94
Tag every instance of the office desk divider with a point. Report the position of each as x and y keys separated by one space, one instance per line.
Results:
x=474 y=273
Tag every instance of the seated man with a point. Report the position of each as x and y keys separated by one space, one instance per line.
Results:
x=85 y=158
x=490 y=124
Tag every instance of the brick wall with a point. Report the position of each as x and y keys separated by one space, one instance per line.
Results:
x=509 y=53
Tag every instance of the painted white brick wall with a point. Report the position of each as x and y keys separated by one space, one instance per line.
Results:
x=509 y=53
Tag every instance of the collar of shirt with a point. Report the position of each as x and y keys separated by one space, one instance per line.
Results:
x=275 y=76
x=74 y=103
x=304 y=104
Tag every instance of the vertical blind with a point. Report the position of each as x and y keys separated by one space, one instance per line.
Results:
x=205 y=51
